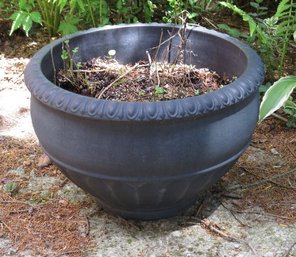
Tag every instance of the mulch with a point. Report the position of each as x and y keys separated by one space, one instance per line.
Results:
x=270 y=185
x=50 y=226
x=140 y=82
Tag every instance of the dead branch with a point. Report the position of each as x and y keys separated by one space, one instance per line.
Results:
x=263 y=214
x=53 y=66
x=158 y=47
x=157 y=74
x=200 y=207
x=210 y=22
x=87 y=226
x=90 y=71
x=68 y=253
x=164 y=42
x=281 y=118
x=28 y=210
x=234 y=216
x=149 y=58
x=215 y=228
x=63 y=182
x=291 y=151
x=183 y=41
x=9 y=228
x=13 y=202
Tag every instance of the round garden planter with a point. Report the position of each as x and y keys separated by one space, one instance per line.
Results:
x=146 y=160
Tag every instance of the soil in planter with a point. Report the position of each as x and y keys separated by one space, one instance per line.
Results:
x=105 y=78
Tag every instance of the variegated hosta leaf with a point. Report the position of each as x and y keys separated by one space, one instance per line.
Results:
x=276 y=96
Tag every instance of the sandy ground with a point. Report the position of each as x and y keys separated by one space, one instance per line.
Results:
x=220 y=232
x=14 y=99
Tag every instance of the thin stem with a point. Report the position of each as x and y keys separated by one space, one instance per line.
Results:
x=53 y=65
x=91 y=12
x=101 y=12
x=57 y=18
x=281 y=118
x=116 y=80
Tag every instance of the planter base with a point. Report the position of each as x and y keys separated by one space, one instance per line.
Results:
x=147 y=214
x=141 y=199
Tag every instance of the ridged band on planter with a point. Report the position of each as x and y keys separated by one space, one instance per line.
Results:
x=146 y=159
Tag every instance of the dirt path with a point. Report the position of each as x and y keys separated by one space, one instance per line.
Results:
x=250 y=212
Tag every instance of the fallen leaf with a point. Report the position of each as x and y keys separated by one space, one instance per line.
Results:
x=26 y=163
x=43 y=161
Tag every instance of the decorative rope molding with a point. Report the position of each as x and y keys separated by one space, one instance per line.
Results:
x=66 y=101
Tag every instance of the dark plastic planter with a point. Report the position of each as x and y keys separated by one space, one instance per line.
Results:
x=146 y=160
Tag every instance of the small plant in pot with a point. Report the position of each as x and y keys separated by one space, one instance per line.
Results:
x=151 y=158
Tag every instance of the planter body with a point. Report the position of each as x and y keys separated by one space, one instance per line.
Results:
x=146 y=160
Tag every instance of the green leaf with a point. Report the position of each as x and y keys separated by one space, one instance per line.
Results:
x=255 y=5
x=105 y=21
x=23 y=5
x=14 y=15
x=27 y=25
x=192 y=2
x=246 y=17
x=192 y=15
x=67 y=28
x=289 y=104
x=276 y=96
x=81 y=5
x=283 y=6
x=64 y=55
x=252 y=26
x=36 y=17
x=231 y=31
x=18 y=19
x=62 y=4
x=75 y=50
x=159 y=90
x=119 y=4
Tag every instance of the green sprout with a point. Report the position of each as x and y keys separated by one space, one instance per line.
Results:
x=158 y=90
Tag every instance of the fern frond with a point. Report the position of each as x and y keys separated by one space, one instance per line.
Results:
x=283 y=6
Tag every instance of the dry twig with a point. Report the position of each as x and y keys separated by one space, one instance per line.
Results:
x=9 y=228
x=87 y=226
x=234 y=216
x=291 y=151
x=281 y=118
x=116 y=80
x=215 y=228
x=68 y=253
x=263 y=214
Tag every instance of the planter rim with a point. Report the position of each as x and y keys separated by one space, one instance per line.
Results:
x=74 y=104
